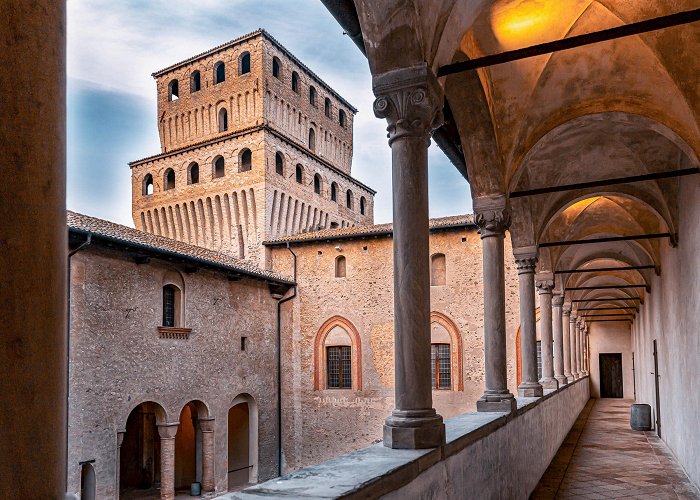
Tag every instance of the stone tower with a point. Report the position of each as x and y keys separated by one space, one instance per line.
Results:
x=254 y=146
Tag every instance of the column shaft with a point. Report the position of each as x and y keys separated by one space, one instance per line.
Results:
x=529 y=387
x=545 y=283
x=557 y=331
x=566 y=340
x=207 y=426
x=573 y=344
x=167 y=460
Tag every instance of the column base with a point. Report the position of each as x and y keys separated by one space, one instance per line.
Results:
x=530 y=390
x=414 y=430
x=549 y=383
x=570 y=378
x=504 y=402
x=562 y=380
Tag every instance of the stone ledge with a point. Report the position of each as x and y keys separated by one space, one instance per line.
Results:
x=172 y=332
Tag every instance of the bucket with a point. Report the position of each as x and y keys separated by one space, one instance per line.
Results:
x=196 y=489
x=640 y=417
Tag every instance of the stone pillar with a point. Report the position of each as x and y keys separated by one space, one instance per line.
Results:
x=572 y=344
x=566 y=338
x=167 y=460
x=584 y=350
x=525 y=261
x=545 y=283
x=120 y=440
x=208 y=456
x=577 y=332
x=411 y=101
x=557 y=331
x=33 y=272
x=492 y=216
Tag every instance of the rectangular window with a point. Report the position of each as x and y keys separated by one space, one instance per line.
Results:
x=441 y=367
x=168 y=306
x=339 y=364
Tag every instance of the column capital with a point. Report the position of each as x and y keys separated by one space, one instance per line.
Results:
x=410 y=99
x=544 y=282
x=566 y=308
x=573 y=317
x=168 y=431
x=557 y=300
x=525 y=259
x=491 y=215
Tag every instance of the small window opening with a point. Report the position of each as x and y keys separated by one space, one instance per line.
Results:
x=173 y=94
x=219 y=72
x=312 y=139
x=147 y=185
x=295 y=82
x=279 y=163
x=339 y=366
x=169 y=179
x=364 y=248
x=275 y=67
x=362 y=205
x=195 y=82
x=348 y=199
x=169 y=305
x=327 y=107
x=341 y=118
x=440 y=367
x=334 y=225
x=334 y=192
x=193 y=174
x=317 y=184
x=340 y=266
x=245 y=63
x=243 y=342
x=312 y=96
x=300 y=174
x=219 y=167
x=223 y=120
x=246 y=160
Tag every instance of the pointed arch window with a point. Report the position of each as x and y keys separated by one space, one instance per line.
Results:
x=219 y=72
x=337 y=356
x=279 y=163
x=195 y=81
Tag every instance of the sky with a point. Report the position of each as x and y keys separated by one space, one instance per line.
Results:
x=113 y=47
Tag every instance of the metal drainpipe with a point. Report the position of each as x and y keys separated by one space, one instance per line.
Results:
x=279 y=364
x=83 y=245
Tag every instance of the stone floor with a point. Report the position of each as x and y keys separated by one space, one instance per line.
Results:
x=603 y=458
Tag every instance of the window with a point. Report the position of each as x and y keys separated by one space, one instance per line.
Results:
x=300 y=174
x=169 y=180
x=362 y=205
x=327 y=107
x=295 y=82
x=339 y=367
x=340 y=266
x=334 y=192
x=440 y=367
x=218 y=167
x=438 y=270
x=173 y=94
x=246 y=161
x=223 y=120
x=279 y=163
x=193 y=173
x=276 y=67
x=341 y=118
x=312 y=95
x=170 y=297
x=244 y=64
x=195 y=82
x=219 y=72
x=312 y=139
x=317 y=184
x=348 y=199
x=147 y=185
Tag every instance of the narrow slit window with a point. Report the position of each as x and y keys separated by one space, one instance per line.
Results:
x=195 y=82
x=317 y=184
x=276 y=67
x=169 y=305
x=279 y=163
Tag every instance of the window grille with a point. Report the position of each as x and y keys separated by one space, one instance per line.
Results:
x=441 y=367
x=168 y=306
x=339 y=364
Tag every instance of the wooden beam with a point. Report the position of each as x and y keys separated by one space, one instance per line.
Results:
x=609 y=239
x=604 y=315
x=605 y=308
x=607 y=300
x=593 y=270
x=607 y=320
x=604 y=287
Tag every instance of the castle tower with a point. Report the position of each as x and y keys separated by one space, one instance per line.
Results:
x=254 y=146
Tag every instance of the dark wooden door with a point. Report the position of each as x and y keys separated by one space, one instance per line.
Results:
x=611 y=375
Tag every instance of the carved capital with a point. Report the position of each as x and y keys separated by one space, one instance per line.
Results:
x=491 y=215
x=573 y=318
x=566 y=309
x=525 y=259
x=544 y=282
x=557 y=300
x=411 y=101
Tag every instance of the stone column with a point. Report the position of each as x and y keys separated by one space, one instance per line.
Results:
x=544 y=283
x=33 y=272
x=492 y=216
x=208 y=457
x=584 y=350
x=411 y=101
x=525 y=261
x=577 y=332
x=120 y=440
x=572 y=344
x=557 y=302
x=566 y=337
x=167 y=460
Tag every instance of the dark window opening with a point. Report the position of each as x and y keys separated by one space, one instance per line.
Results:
x=219 y=167
x=362 y=205
x=312 y=139
x=169 y=305
x=147 y=185
x=327 y=107
x=245 y=64
x=440 y=366
x=223 y=120
x=341 y=118
x=339 y=366
x=169 y=179
x=243 y=342
x=317 y=184
x=312 y=96
x=348 y=199
x=334 y=192
x=246 y=160
x=195 y=82
x=173 y=94
x=279 y=163
x=295 y=82
x=219 y=72
x=275 y=67
x=193 y=176
x=300 y=174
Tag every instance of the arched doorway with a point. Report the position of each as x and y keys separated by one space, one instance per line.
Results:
x=139 y=457
x=87 y=482
x=242 y=442
x=188 y=446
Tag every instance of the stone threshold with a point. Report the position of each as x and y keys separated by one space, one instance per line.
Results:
x=364 y=473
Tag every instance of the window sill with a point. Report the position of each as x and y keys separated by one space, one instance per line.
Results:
x=174 y=332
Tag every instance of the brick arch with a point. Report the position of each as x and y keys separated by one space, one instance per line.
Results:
x=320 y=354
x=519 y=351
x=456 y=348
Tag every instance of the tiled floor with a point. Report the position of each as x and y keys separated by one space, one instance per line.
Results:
x=603 y=458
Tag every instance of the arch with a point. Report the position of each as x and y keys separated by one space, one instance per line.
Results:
x=341 y=118
x=519 y=348
x=300 y=173
x=295 y=81
x=223 y=120
x=312 y=95
x=340 y=266
x=320 y=379
x=348 y=199
x=188 y=444
x=218 y=167
x=312 y=139
x=195 y=82
x=173 y=91
x=244 y=63
x=317 y=184
x=242 y=430
x=139 y=454
x=456 y=348
x=334 y=191
x=169 y=179
x=219 y=72
x=87 y=482
x=279 y=163
x=147 y=185
x=245 y=160
x=327 y=107
x=438 y=270
x=363 y=203
x=193 y=173
x=276 y=68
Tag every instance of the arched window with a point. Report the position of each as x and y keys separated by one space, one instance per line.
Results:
x=279 y=163
x=348 y=199
x=300 y=174
x=341 y=118
x=87 y=482
x=276 y=65
x=147 y=185
x=169 y=179
x=219 y=72
x=337 y=356
x=218 y=167
x=334 y=192
x=340 y=269
x=223 y=120
x=312 y=95
x=312 y=139
x=362 y=205
x=295 y=82
x=173 y=93
x=244 y=63
x=327 y=107
x=246 y=161
x=193 y=173
x=445 y=353
x=171 y=306
x=195 y=82
x=317 y=184
x=438 y=270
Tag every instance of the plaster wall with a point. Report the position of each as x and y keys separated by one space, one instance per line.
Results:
x=671 y=316
x=611 y=338
x=118 y=360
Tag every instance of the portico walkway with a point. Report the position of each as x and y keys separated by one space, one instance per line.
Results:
x=603 y=458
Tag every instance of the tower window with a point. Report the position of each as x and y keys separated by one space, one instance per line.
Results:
x=193 y=173
x=279 y=163
x=317 y=184
x=334 y=192
x=246 y=160
x=341 y=118
x=195 y=82
x=169 y=181
x=300 y=174
x=327 y=107
x=276 y=67
x=244 y=64
x=295 y=82
x=219 y=72
x=147 y=185
x=312 y=139
x=440 y=366
x=340 y=266
x=348 y=199
x=218 y=167
x=312 y=96
x=173 y=93
x=339 y=366
x=362 y=205
x=223 y=120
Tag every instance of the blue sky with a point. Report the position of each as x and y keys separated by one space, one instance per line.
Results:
x=113 y=47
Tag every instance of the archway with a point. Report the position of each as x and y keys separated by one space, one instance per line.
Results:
x=139 y=458
x=87 y=482
x=242 y=442
x=188 y=445
x=320 y=354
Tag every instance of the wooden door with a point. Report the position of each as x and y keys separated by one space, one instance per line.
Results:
x=611 y=375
